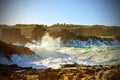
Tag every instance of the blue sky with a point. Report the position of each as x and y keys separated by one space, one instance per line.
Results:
x=83 y=12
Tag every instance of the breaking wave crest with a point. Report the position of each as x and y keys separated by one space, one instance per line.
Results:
x=52 y=52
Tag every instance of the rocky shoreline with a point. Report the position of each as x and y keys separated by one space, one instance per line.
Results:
x=8 y=49
x=81 y=72
x=27 y=33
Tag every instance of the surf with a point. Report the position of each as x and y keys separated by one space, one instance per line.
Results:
x=51 y=53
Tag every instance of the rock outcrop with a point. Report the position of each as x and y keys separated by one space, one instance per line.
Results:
x=109 y=74
x=95 y=31
x=0 y=33
x=62 y=33
x=8 y=49
x=24 y=33
x=14 y=72
x=10 y=35
x=38 y=32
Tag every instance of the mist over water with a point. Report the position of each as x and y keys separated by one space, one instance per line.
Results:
x=53 y=52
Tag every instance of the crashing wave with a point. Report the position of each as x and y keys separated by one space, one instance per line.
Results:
x=90 y=42
x=52 y=52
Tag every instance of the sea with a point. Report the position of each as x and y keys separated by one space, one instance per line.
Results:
x=52 y=53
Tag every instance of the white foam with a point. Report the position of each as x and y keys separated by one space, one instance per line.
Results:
x=49 y=53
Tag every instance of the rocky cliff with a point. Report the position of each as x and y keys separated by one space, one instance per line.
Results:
x=38 y=32
x=10 y=35
x=62 y=33
x=95 y=31
x=25 y=33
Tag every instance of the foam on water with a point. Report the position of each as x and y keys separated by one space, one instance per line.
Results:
x=49 y=53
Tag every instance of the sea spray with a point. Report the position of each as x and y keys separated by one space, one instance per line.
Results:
x=50 y=53
x=49 y=43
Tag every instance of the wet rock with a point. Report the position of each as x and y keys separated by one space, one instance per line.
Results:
x=8 y=49
x=38 y=32
x=110 y=74
x=14 y=72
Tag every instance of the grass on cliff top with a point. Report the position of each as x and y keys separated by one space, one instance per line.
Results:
x=65 y=26
x=23 y=27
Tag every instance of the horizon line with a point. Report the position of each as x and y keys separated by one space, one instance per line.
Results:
x=57 y=23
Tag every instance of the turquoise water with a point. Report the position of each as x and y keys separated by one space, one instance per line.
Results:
x=50 y=53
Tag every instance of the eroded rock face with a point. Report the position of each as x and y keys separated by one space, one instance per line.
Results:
x=10 y=35
x=62 y=33
x=38 y=32
x=7 y=49
x=0 y=33
x=35 y=32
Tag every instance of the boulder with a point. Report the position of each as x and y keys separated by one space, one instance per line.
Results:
x=7 y=49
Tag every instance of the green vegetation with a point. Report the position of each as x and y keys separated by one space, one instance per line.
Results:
x=56 y=25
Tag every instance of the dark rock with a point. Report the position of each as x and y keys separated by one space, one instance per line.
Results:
x=111 y=75
x=7 y=49
x=14 y=72
x=64 y=34
x=38 y=32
